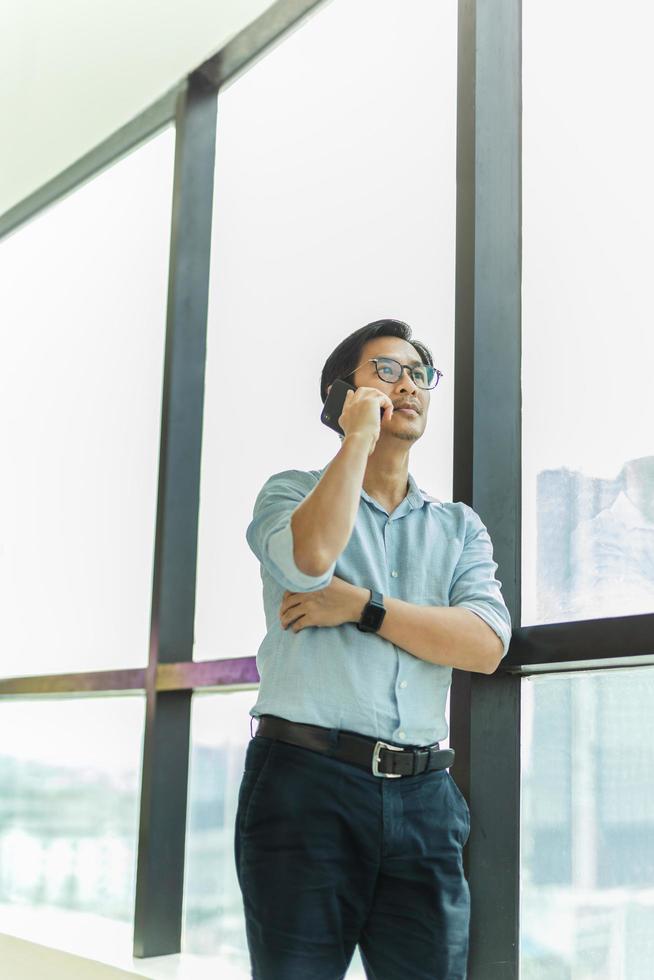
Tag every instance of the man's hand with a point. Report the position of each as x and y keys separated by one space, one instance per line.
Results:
x=340 y=602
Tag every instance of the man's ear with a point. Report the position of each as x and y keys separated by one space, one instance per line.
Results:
x=329 y=388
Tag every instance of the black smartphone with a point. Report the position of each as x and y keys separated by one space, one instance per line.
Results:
x=333 y=407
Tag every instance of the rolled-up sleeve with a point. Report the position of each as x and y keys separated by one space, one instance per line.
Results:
x=474 y=584
x=270 y=535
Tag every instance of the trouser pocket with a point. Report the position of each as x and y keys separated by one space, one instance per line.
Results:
x=256 y=758
x=463 y=808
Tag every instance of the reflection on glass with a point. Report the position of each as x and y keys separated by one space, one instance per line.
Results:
x=587 y=340
x=587 y=826
x=83 y=298
x=69 y=801
x=334 y=206
x=596 y=543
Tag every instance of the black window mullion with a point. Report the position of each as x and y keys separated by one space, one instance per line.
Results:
x=485 y=711
x=161 y=846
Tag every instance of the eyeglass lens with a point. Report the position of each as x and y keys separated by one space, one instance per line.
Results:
x=390 y=370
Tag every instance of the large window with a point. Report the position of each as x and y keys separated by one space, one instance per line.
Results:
x=588 y=346
x=334 y=206
x=83 y=299
x=357 y=157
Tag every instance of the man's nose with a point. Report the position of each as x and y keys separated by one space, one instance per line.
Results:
x=406 y=379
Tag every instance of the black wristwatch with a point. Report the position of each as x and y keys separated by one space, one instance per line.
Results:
x=373 y=613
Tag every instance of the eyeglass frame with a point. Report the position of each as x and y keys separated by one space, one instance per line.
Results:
x=409 y=367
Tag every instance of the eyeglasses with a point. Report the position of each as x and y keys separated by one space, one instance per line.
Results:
x=390 y=370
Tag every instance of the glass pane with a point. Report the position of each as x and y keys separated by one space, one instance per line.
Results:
x=213 y=910
x=334 y=206
x=83 y=299
x=587 y=826
x=69 y=809
x=588 y=345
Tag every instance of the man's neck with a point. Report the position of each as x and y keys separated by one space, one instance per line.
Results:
x=390 y=488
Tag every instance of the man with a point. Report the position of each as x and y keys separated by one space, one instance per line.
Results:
x=349 y=827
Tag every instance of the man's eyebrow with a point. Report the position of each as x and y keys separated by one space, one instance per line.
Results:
x=395 y=357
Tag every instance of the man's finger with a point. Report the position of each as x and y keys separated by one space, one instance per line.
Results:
x=290 y=605
x=283 y=612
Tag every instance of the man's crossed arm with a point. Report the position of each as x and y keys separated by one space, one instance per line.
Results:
x=452 y=636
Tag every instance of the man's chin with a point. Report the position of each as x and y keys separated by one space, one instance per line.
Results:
x=407 y=436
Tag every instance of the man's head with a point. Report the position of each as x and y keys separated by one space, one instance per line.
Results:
x=352 y=362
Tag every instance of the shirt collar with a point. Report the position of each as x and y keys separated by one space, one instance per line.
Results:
x=417 y=496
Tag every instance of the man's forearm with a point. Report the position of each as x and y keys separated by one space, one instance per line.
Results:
x=323 y=522
x=449 y=635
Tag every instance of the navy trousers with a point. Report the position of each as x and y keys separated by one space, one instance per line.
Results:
x=329 y=855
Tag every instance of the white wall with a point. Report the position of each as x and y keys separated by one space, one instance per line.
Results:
x=73 y=73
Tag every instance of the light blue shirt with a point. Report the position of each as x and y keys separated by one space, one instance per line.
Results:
x=426 y=552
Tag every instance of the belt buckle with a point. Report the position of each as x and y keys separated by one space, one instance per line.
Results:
x=376 y=752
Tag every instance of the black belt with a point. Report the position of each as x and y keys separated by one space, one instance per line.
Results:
x=380 y=758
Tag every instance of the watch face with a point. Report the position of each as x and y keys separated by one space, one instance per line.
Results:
x=373 y=617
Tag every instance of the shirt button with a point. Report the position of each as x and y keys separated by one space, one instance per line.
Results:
x=402 y=734
x=394 y=573
x=403 y=684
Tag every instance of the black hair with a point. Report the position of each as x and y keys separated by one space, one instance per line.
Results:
x=346 y=357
